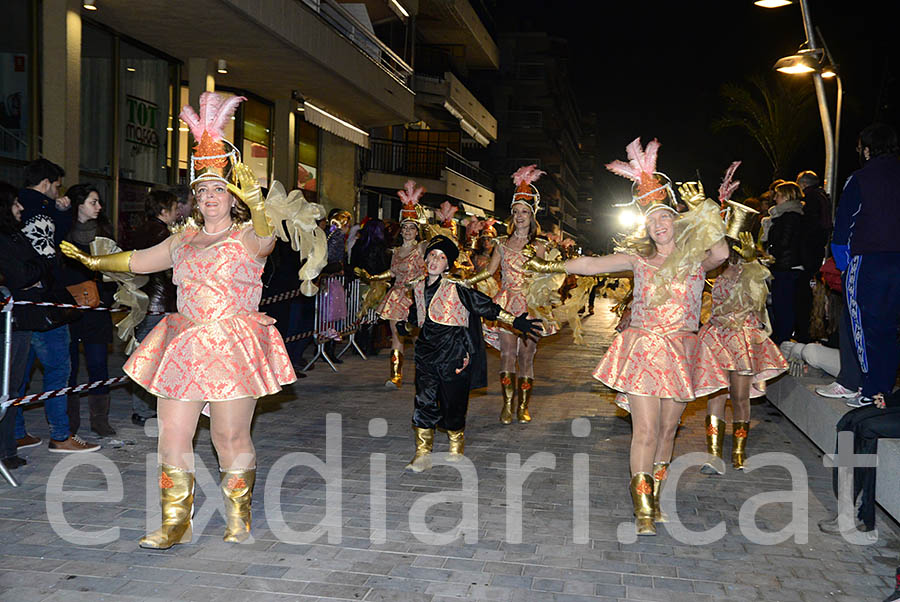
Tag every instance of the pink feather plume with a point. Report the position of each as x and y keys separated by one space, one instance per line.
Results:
x=215 y=111
x=640 y=160
x=727 y=188
x=411 y=193
x=527 y=174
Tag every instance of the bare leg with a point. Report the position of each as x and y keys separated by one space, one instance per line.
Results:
x=670 y=416
x=509 y=344
x=645 y=423
x=396 y=343
x=740 y=396
x=230 y=428
x=525 y=357
x=177 y=425
x=715 y=405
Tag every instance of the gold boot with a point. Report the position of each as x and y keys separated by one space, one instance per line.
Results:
x=237 y=489
x=642 y=499
x=176 y=497
x=739 y=443
x=507 y=380
x=660 y=472
x=526 y=383
x=424 y=443
x=396 y=378
x=457 y=444
x=715 y=433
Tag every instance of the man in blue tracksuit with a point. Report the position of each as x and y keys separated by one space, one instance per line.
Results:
x=866 y=247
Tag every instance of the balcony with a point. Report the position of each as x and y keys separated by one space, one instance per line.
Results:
x=387 y=164
x=274 y=47
x=455 y=23
x=448 y=94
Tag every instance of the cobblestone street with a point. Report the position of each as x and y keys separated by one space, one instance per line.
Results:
x=340 y=556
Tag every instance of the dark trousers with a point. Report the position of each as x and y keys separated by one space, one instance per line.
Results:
x=850 y=376
x=868 y=424
x=21 y=343
x=873 y=293
x=784 y=311
x=95 y=358
x=803 y=301
x=442 y=398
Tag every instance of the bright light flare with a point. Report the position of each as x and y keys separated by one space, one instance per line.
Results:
x=772 y=3
x=630 y=219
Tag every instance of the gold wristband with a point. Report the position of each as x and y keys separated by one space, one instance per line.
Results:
x=506 y=317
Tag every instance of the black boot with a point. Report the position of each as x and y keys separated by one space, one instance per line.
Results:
x=73 y=409
x=99 y=406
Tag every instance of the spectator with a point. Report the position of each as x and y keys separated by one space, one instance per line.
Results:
x=817 y=228
x=162 y=209
x=784 y=242
x=94 y=328
x=337 y=229
x=47 y=219
x=866 y=249
x=23 y=272
x=370 y=251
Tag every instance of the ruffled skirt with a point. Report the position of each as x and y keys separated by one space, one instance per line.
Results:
x=642 y=362
x=745 y=351
x=236 y=357
x=395 y=305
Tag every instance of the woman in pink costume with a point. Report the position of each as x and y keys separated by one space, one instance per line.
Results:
x=737 y=336
x=218 y=349
x=407 y=264
x=516 y=353
x=651 y=361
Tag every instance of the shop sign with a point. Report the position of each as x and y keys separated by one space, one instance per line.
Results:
x=141 y=127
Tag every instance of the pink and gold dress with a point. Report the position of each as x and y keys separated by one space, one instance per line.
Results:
x=738 y=340
x=656 y=354
x=395 y=305
x=218 y=347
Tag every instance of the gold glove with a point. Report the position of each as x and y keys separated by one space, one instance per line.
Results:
x=364 y=275
x=747 y=250
x=473 y=280
x=692 y=194
x=542 y=266
x=117 y=262
x=251 y=195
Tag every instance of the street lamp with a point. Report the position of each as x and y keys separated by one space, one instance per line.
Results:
x=810 y=60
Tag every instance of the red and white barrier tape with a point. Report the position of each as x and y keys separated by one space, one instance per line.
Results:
x=280 y=297
x=19 y=401
x=50 y=304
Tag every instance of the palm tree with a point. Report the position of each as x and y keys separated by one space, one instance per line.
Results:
x=776 y=115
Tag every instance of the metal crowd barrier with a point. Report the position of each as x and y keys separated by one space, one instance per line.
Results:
x=336 y=310
x=7 y=358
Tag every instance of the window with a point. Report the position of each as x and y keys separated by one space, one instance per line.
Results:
x=16 y=31
x=257 y=140
x=306 y=151
x=97 y=73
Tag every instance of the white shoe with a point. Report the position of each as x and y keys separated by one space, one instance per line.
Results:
x=836 y=391
x=859 y=401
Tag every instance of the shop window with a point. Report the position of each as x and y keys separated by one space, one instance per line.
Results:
x=256 y=123
x=143 y=103
x=97 y=71
x=16 y=32
x=306 y=143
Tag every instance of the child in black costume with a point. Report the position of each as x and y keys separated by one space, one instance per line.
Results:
x=449 y=355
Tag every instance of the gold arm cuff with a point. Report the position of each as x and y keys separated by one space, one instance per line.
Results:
x=383 y=276
x=116 y=262
x=536 y=264
x=261 y=223
x=480 y=276
x=506 y=317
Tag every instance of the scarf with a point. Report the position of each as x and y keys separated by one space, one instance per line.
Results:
x=83 y=233
x=786 y=207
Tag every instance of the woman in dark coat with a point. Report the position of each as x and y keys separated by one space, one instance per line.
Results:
x=94 y=329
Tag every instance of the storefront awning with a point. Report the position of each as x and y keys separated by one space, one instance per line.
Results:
x=335 y=125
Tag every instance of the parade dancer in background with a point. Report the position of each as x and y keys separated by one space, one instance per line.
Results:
x=218 y=349
x=737 y=336
x=449 y=355
x=652 y=361
x=516 y=353
x=407 y=263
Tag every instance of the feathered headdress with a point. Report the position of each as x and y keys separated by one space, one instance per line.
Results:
x=729 y=185
x=214 y=156
x=526 y=192
x=410 y=196
x=651 y=190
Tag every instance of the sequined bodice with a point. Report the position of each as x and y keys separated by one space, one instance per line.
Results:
x=681 y=311
x=218 y=281
x=511 y=272
x=406 y=268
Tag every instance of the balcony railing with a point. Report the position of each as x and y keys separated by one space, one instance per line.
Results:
x=421 y=161
x=359 y=35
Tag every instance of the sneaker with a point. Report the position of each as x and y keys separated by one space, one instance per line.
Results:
x=836 y=391
x=73 y=445
x=859 y=401
x=13 y=462
x=28 y=441
x=831 y=526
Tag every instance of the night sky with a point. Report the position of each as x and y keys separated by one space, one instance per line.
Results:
x=654 y=69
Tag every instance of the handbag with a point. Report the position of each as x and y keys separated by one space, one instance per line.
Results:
x=85 y=293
